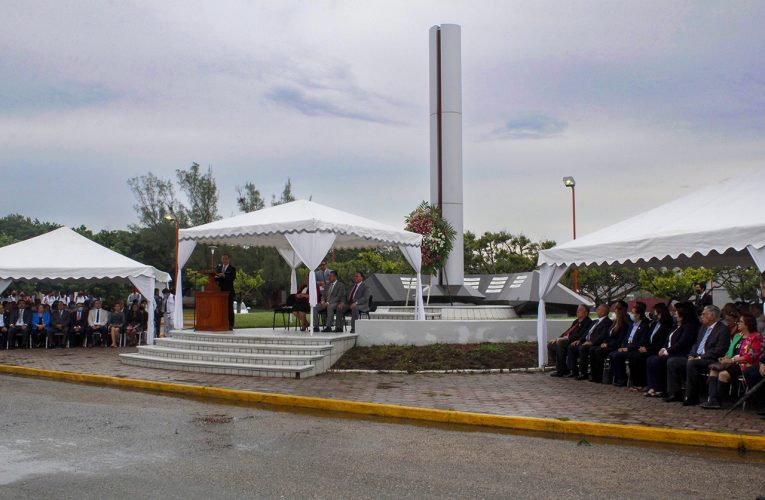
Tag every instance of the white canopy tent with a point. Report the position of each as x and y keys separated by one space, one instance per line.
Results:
x=717 y=226
x=66 y=255
x=302 y=231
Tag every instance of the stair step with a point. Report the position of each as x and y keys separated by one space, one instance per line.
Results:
x=298 y=371
x=260 y=338
x=290 y=349
x=229 y=357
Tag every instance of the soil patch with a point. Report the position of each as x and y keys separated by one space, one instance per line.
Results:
x=484 y=356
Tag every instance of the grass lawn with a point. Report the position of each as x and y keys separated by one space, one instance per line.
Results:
x=253 y=319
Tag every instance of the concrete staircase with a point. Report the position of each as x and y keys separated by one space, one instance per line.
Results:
x=251 y=352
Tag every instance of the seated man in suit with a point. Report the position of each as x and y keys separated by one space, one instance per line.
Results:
x=557 y=349
x=331 y=298
x=357 y=300
x=594 y=337
x=630 y=344
x=97 y=320
x=711 y=344
x=21 y=321
x=59 y=323
x=77 y=326
x=5 y=326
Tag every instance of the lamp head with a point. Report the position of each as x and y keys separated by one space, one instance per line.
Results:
x=569 y=181
x=169 y=217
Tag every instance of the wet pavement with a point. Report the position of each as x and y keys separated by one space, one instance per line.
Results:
x=517 y=394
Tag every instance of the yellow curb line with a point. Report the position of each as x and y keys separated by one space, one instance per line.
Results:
x=642 y=433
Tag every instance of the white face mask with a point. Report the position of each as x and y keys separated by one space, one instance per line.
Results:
x=634 y=317
x=612 y=315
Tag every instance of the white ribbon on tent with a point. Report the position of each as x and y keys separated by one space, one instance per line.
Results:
x=311 y=248
x=293 y=261
x=758 y=255
x=414 y=257
x=185 y=248
x=5 y=283
x=145 y=285
x=548 y=279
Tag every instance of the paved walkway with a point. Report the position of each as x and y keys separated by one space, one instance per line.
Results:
x=519 y=394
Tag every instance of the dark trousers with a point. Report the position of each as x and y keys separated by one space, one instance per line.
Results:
x=61 y=335
x=753 y=377
x=598 y=355
x=76 y=337
x=718 y=390
x=572 y=358
x=3 y=337
x=692 y=370
x=656 y=372
x=619 y=366
x=557 y=352
x=638 y=362
x=102 y=332
x=230 y=311
x=585 y=353
x=13 y=334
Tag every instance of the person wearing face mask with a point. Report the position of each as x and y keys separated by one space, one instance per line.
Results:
x=611 y=342
x=678 y=344
x=653 y=341
x=631 y=343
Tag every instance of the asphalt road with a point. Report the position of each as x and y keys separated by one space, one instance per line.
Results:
x=60 y=440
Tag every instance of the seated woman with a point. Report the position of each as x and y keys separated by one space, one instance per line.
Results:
x=733 y=364
x=729 y=314
x=300 y=305
x=41 y=326
x=618 y=332
x=679 y=343
x=653 y=342
x=116 y=323
x=134 y=323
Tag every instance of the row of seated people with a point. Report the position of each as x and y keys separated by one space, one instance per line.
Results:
x=670 y=356
x=334 y=302
x=53 y=326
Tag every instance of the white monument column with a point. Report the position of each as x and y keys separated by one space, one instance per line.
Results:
x=446 y=138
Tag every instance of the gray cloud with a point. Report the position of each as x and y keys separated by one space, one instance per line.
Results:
x=529 y=127
x=295 y=98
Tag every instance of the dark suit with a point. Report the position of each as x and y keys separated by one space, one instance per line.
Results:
x=631 y=342
x=19 y=330
x=594 y=337
x=360 y=297
x=6 y=319
x=598 y=354
x=679 y=342
x=226 y=284
x=653 y=342
x=693 y=369
x=558 y=350
x=59 y=323
x=77 y=327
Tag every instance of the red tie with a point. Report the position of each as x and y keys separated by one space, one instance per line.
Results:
x=353 y=292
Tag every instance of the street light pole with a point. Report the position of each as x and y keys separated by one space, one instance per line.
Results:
x=570 y=182
x=177 y=235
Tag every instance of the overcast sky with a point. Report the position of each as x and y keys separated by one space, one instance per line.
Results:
x=639 y=101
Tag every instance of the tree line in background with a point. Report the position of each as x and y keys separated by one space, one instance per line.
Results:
x=192 y=199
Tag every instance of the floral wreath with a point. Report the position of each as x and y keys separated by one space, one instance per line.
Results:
x=437 y=235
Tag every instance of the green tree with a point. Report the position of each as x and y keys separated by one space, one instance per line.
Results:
x=247 y=285
x=201 y=193
x=741 y=283
x=155 y=199
x=286 y=196
x=604 y=285
x=501 y=252
x=248 y=198
x=673 y=284
x=16 y=227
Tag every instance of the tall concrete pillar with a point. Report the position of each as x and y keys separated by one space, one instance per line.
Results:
x=446 y=138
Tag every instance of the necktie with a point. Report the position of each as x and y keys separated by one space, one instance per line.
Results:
x=353 y=292
x=589 y=334
x=97 y=315
x=701 y=348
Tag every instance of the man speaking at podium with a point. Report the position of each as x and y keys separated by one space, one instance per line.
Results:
x=225 y=274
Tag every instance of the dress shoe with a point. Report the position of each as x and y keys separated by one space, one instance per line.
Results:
x=671 y=398
x=711 y=404
x=327 y=330
x=338 y=330
x=558 y=374
x=761 y=413
x=621 y=383
x=315 y=330
x=690 y=402
x=353 y=331
x=582 y=377
x=570 y=375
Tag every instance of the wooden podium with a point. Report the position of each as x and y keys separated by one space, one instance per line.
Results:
x=211 y=307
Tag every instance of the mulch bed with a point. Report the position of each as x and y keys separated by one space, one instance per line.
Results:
x=484 y=356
